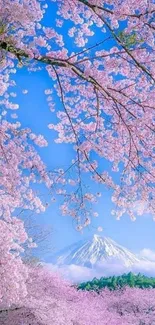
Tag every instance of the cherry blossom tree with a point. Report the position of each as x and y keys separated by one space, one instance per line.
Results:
x=105 y=85
x=52 y=300
x=20 y=167
x=105 y=82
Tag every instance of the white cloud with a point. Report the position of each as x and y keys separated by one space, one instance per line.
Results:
x=145 y=267
x=77 y=274
x=148 y=253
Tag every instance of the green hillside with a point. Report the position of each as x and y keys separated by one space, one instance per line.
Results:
x=114 y=282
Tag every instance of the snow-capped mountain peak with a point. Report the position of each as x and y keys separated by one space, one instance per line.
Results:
x=93 y=251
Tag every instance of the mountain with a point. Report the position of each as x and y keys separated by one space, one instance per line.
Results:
x=93 y=251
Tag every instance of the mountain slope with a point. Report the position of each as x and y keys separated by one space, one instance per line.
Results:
x=95 y=250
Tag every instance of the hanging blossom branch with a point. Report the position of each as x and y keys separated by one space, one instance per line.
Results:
x=68 y=65
x=20 y=54
x=106 y=115
x=94 y=8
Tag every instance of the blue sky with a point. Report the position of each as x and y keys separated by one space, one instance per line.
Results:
x=34 y=113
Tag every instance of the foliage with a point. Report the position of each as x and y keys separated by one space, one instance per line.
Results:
x=129 y=40
x=116 y=282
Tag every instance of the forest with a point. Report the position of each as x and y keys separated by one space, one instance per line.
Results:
x=116 y=282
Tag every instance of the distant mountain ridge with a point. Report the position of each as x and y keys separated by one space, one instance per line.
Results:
x=95 y=250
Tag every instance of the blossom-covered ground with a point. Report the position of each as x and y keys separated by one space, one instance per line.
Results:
x=50 y=300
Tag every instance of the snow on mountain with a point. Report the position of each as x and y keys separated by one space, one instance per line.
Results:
x=93 y=251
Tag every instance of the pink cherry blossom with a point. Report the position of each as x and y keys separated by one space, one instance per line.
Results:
x=102 y=79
